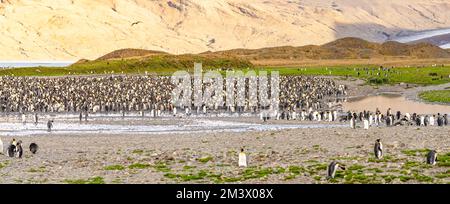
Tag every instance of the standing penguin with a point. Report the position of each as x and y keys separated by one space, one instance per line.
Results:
x=378 y=149
x=19 y=149
x=34 y=148
x=49 y=125
x=352 y=123
x=12 y=148
x=432 y=157
x=36 y=119
x=1 y=146
x=332 y=168
x=366 y=124
x=242 y=158
x=24 y=119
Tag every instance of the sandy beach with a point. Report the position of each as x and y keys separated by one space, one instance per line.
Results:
x=282 y=156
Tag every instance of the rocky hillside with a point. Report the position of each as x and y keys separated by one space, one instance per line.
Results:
x=77 y=29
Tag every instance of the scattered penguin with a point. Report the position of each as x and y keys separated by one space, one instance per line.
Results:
x=36 y=119
x=34 y=148
x=19 y=149
x=49 y=125
x=12 y=148
x=352 y=123
x=432 y=157
x=332 y=168
x=378 y=149
x=1 y=146
x=242 y=158
x=366 y=124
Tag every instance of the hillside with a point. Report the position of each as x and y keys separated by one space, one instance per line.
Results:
x=86 y=29
x=346 y=48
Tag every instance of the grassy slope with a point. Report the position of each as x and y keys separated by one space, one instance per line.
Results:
x=442 y=96
x=423 y=76
x=163 y=65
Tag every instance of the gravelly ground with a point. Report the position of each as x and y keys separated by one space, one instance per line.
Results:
x=287 y=156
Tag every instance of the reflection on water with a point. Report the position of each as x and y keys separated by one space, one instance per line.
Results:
x=395 y=102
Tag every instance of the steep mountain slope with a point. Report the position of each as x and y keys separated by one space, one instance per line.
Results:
x=75 y=29
x=345 y=48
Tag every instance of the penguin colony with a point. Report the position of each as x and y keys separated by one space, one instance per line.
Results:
x=142 y=94
x=376 y=119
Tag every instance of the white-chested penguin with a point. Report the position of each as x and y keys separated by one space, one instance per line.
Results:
x=12 y=148
x=352 y=123
x=34 y=148
x=242 y=158
x=378 y=149
x=432 y=157
x=366 y=124
x=19 y=149
x=332 y=168
x=1 y=146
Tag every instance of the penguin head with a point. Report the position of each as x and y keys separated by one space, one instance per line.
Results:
x=378 y=140
x=340 y=165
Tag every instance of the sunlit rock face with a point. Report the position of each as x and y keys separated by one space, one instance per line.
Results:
x=76 y=29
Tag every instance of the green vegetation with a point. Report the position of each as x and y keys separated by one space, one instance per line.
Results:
x=38 y=170
x=139 y=166
x=162 y=167
x=442 y=96
x=444 y=160
x=138 y=151
x=93 y=180
x=4 y=164
x=205 y=159
x=166 y=65
x=162 y=64
x=416 y=152
x=413 y=75
x=114 y=168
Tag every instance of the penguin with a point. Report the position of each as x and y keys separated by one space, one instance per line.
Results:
x=19 y=149
x=49 y=125
x=11 y=150
x=24 y=119
x=366 y=124
x=352 y=123
x=432 y=157
x=242 y=158
x=332 y=168
x=34 y=148
x=36 y=119
x=378 y=149
x=1 y=146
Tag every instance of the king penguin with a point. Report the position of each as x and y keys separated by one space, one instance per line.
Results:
x=332 y=168
x=352 y=123
x=11 y=149
x=49 y=125
x=366 y=124
x=19 y=149
x=378 y=149
x=432 y=157
x=1 y=146
x=34 y=148
x=242 y=158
